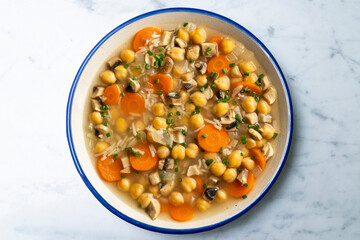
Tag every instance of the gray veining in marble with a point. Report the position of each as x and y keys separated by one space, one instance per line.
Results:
x=316 y=42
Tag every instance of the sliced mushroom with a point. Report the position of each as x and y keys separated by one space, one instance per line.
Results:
x=252 y=118
x=193 y=170
x=210 y=193
x=265 y=118
x=270 y=95
x=101 y=130
x=167 y=188
x=190 y=84
x=265 y=83
x=268 y=151
x=255 y=134
x=153 y=210
x=201 y=67
x=154 y=178
x=168 y=65
x=150 y=60
x=243 y=175
x=213 y=181
x=134 y=86
x=235 y=72
x=96 y=104
x=97 y=91
x=209 y=49
x=220 y=94
x=167 y=163
x=232 y=126
x=208 y=93
x=165 y=38
x=113 y=62
x=193 y=52
x=175 y=98
x=180 y=43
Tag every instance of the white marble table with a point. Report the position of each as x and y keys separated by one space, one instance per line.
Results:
x=317 y=45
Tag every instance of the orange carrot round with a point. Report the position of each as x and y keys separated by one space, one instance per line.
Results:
x=216 y=39
x=217 y=64
x=212 y=139
x=181 y=213
x=132 y=103
x=199 y=185
x=160 y=82
x=112 y=94
x=143 y=162
x=236 y=190
x=259 y=157
x=250 y=85
x=110 y=168
x=143 y=35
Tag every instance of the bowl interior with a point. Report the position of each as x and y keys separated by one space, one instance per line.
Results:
x=90 y=69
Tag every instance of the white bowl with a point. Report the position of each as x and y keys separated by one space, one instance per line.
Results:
x=78 y=103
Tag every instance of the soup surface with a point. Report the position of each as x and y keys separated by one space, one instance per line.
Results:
x=181 y=120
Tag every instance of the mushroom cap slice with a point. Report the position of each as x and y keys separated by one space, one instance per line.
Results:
x=153 y=210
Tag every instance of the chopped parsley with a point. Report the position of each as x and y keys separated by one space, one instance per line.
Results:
x=243 y=140
x=261 y=76
x=176 y=169
x=246 y=73
x=183 y=132
x=244 y=196
x=122 y=94
x=170 y=114
x=232 y=65
x=204 y=185
x=138 y=67
x=274 y=136
x=185 y=24
x=150 y=53
x=209 y=162
x=224 y=70
x=123 y=176
x=213 y=86
x=178 y=113
x=106 y=123
x=147 y=66
x=239 y=170
x=156 y=80
x=204 y=135
x=158 y=92
x=191 y=61
x=126 y=66
x=138 y=136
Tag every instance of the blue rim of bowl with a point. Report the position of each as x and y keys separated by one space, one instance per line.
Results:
x=86 y=180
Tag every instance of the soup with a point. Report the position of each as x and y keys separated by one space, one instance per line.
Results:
x=182 y=120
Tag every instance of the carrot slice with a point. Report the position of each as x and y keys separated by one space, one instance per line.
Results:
x=144 y=162
x=236 y=190
x=212 y=139
x=160 y=82
x=259 y=157
x=143 y=35
x=250 y=85
x=217 y=64
x=132 y=103
x=110 y=168
x=112 y=94
x=216 y=39
x=181 y=213
x=199 y=185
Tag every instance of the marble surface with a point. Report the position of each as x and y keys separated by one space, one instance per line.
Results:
x=42 y=46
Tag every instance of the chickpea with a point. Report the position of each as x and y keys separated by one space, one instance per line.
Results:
x=121 y=125
x=249 y=104
x=184 y=121
x=108 y=77
x=245 y=151
x=139 y=126
x=201 y=80
x=235 y=159
x=227 y=46
x=250 y=143
x=176 y=53
x=267 y=131
x=183 y=34
x=221 y=196
x=263 y=107
x=96 y=117
x=202 y=204
x=159 y=123
x=188 y=184
x=178 y=152
x=220 y=109
x=218 y=169
x=124 y=184
x=184 y=95
x=260 y=143
x=248 y=163
x=127 y=56
x=196 y=121
x=189 y=107
x=121 y=73
x=114 y=113
x=247 y=66
x=158 y=109
x=101 y=147
x=230 y=175
x=144 y=199
x=198 y=35
x=192 y=150
x=163 y=152
x=154 y=189
x=222 y=83
x=251 y=78
x=136 y=190
x=176 y=199
x=198 y=99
